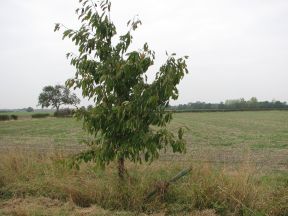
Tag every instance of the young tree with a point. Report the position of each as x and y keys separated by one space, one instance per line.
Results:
x=57 y=95
x=29 y=109
x=126 y=105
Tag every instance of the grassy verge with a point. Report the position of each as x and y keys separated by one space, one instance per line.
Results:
x=30 y=181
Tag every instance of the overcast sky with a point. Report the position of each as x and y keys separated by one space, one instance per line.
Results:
x=237 y=48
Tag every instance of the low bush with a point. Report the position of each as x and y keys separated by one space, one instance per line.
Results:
x=64 y=113
x=40 y=115
x=14 y=117
x=4 y=117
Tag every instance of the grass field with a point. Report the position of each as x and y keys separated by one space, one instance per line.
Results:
x=228 y=138
x=239 y=160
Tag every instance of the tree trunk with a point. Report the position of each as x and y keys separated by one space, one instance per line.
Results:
x=121 y=168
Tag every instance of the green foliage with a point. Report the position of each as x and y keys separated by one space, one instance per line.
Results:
x=231 y=105
x=8 y=117
x=56 y=96
x=40 y=115
x=64 y=113
x=126 y=105
x=30 y=109
x=14 y=117
x=4 y=117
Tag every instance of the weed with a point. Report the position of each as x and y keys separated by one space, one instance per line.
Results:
x=240 y=192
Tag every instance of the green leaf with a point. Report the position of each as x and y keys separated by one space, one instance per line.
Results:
x=57 y=27
x=126 y=106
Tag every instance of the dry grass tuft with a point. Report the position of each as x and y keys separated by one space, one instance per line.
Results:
x=33 y=183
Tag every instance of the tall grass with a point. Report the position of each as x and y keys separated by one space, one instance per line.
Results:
x=224 y=192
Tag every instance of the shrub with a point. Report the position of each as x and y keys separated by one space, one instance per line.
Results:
x=40 y=115
x=29 y=109
x=64 y=113
x=4 y=117
x=14 y=117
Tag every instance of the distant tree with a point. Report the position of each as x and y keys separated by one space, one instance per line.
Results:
x=126 y=105
x=221 y=105
x=90 y=107
x=55 y=96
x=253 y=100
x=279 y=104
x=29 y=109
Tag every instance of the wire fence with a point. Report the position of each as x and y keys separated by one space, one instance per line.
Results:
x=274 y=159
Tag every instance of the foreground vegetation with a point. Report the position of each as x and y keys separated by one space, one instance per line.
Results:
x=43 y=184
x=238 y=159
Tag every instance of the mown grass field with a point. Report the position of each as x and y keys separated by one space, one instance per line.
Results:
x=239 y=160
x=227 y=138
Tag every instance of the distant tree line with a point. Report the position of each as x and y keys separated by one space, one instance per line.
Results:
x=231 y=105
x=28 y=109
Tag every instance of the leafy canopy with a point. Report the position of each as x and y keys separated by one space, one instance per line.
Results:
x=128 y=119
x=57 y=95
x=29 y=109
